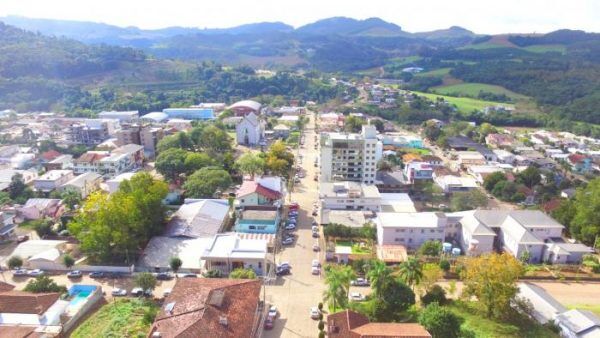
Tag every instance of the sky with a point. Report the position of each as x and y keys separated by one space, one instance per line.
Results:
x=480 y=16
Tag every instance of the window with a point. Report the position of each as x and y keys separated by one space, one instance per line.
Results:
x=432 y=231
x=410 y=240
x=260 y=265
x=252 y=227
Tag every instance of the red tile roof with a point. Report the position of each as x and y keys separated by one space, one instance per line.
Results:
x=249 y=187
x=6 y=287
x=50 y=155
x=19 y=332
x=350 y=324
x=26 y=302
x=199 y=306
x=90 y=157
x=576 y=158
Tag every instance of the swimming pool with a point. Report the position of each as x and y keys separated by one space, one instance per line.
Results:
x=79 y=293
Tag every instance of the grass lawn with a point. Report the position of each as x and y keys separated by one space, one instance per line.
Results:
x=416 y=151
x=546 y=48
x=595 y=308
x=490 y=328
x=472 y=90
x=356 y=247
x=123 y=318
x=464 y=104
x=435 y=72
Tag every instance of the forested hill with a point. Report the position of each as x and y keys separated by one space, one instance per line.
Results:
x=46 y=73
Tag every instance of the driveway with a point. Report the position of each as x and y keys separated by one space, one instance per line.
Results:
x=295 y=294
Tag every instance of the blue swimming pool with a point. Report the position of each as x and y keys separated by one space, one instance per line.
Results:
x=79 y=293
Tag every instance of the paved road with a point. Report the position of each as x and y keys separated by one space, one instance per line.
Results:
x=295 y=294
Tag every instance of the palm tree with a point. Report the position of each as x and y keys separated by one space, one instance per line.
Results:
x=338 y=285
x=411 y=272
x=380 y=277
x=346 y=276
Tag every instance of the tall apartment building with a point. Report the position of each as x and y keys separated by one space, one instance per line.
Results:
x=146 y=136
x=90 y=132
x=350 y=157
x=128 y=134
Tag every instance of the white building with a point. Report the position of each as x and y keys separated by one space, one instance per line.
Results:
x=410 y=229
x=84 y=184
x=452 y=183
x=250 y=130
x=350 y=157
x=122 y=116
x=349 y=196
x=229 y=251
x=504 y=156
x=52 y=180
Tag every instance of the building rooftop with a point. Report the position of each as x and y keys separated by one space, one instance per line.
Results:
x=81 y=180
x=53 y=175
x=201 y=218
x=26 y=302
x=348 y=190
x=351 y=218
x=583 y=322
x=411 y=219
x=231 y=245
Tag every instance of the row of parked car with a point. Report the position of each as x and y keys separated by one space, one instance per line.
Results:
x=96 y=274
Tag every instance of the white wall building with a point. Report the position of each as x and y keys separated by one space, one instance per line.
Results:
x=52 y=180
x=349 y=196
x=410 y=229
x=122 y=116
x=350 y=157
x=250 y=130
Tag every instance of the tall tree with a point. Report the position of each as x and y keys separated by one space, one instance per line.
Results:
x=197 y=161
x=468 y=200
x=585 y=225
x=171 y=163
x=175 y=264
x=530 y=177
x=145 y=280
x=250 y=164
x=206 y=181
x=380 y=277
x=411 y=272
x=492 y=278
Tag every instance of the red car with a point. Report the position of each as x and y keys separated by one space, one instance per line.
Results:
x=269 y=323
x=294 y=206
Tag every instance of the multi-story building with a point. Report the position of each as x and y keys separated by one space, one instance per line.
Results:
x=90 y=132
x=128 y=134
x=146 y=136
x=350 y=157
x=417 y=171
x=120 y=160
x=349 y=196
x=52 y=180
x=410 y=229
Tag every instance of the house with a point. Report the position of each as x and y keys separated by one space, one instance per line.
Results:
x=417 y=171
x=7 y=225
x=411 y=157
x=519 y=232
x=470 y=158
x=83 y=184
x=261 y=191
x=258 y=219
x=480 y=172
x=52 y=180
x=573 y=323
x=61 y=162
x=349 y=196
x=38 y=208
x=250 y=130
x=454 y=183
x=90 y=132
x=198 y=218
x=433 y=160
x=349 y=218
x=281 y=131
x=113 y=184
x=580 y=163
x=350 y=324
x=230 y=251
x=504 y=156
x=160 y=249
x=227 y=308
x=410 y=229
x=397 y=202
x=392 y=182
x=245 y=107
x=500 y=140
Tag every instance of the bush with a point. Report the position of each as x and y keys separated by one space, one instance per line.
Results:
x=213 y=274
x=241 y=273
x=150 y=315
x=445 y=265
x=440 y=321
x=15 y=262
x=435 y=294
x=321 y=325
x=431 y=248
x=43 y=284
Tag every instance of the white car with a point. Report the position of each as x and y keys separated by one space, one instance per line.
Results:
x=314 y=312
x=315 y=228
x=357 y=296
x=316 y=270
x=35 y=273
x=273 y=311
x=116 y=292
x=290 y=226
x=316 y=263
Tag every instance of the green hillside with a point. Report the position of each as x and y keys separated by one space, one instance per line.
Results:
x=473 y=89
x=464 y=104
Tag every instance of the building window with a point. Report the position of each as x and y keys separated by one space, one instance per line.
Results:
x=252 y=227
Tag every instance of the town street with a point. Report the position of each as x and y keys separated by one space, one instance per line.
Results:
x=295 y=294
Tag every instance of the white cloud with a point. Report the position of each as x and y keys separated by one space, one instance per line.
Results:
x=478 y=15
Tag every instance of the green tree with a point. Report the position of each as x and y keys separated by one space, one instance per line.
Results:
x=4 y=198
x=380 y=277
x=440 y=322
x=467 y=200
x=584 y=225
x=15 y=262
x=68 y=261
x=44 y=284
x=145 y=280
x=178 y=141
x=171 y=163
x=530 y=177
x=241 y=273
x=71 y=198
x=435 y=294
x=492 y=278
x=250 y=164
x=206 y=181
x=445 y=265
x=196 y=161
x=431 y=248
x=337 y=279
x=175 y=264
x=279 y=160
x=213 y=274
x=214 y=140
x=18 y=191
x=353 y=124
x=411 y=272
x=398 y=298
x=490 y=182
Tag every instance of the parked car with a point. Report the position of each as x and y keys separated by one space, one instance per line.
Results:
x=315 y=234
x=269 y=323
x=20 y=272
x=138 y=292
x=315 y=213
x=285 y=265
x=316 y=270
x=97 y=274
x=164 y=276
x=357 y=296
x=314 y=312
x=287 y=241
x=316 y=263
x=74 y=274
x=116 y=292
x=315 y=228
x=360 y=282
x=35 y=272
x=290 y=227
x=315 y=224
x=282 y=271
x=316 y=247
x=273 y=311
x=21 y=239
x=293 y=213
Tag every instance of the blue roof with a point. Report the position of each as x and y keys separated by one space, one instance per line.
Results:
x=190 y=113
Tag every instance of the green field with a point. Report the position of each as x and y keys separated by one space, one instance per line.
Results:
x=595 y=308
x=435 y=72
x=489 y=328
x=483 y=45
x=464 y=104
x=123 y=318
x=405 y=60
x=472 y=90
x=546 y=48
x=416 y=151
